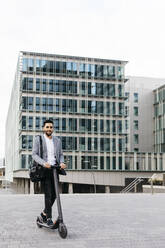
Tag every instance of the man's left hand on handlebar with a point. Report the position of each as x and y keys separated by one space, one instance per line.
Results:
x=63 y=166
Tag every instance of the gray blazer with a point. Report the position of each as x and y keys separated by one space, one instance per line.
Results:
x=36 y=150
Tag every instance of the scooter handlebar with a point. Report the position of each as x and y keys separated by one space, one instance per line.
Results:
x=57 y=166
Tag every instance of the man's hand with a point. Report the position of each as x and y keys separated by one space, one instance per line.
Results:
x=63 y=166
x=47 y=165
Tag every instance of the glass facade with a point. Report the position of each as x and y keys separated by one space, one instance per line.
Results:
x=85 y=100
x=72 y=69
x=159 y=119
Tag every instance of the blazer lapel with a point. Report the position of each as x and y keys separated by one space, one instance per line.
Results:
x=55 y=145
x=44 y=145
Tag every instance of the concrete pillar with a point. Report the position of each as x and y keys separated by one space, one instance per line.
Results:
x=26 y=186
x=158 y=162
x=23 y=186
x=123 y=161
x=163 y=161
x=73 y=162
x=152 y=162
x=135 y=161
x=117 y=161
x=31 y=187
x=111 y=161
x=107 y=189
x=70 y=188
x=163 y=179
x=146 y=162
x=78 y=160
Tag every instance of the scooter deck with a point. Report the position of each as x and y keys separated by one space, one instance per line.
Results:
x=41 y=224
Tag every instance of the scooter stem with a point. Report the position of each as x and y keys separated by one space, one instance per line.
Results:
x=60 y=217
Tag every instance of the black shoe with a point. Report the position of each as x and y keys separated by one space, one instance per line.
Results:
x=50 y=222
x=43 y=217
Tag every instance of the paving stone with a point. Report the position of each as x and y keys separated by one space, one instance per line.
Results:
x=92 y=220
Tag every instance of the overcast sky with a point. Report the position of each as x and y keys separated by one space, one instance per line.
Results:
x=131 y=30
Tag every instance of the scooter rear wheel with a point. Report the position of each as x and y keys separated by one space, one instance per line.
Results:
x=62 y=230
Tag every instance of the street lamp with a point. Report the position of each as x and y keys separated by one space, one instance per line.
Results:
x=94 y=167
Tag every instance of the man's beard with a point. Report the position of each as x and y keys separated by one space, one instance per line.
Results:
x=48 y=134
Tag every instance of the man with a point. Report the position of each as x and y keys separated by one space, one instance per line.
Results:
x=52 y=153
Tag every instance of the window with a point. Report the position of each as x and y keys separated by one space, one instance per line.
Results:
x=102 y=144
x=121 y=108
x=135 y=97
x=30 y=142
x=51 y=84
x=120 y=163
x=108 y=126
x=27 y=84
x=82 y=106
x=113 y=108
x=30 y=160
x=82 y=143
x=64 y=105
x=136 y=139
x=136 y=111
x=23 y=161
x=108 y=163
x=44 y=104
x=114 y=163
x=120 y=145
x=24 y=64
x=63 y=124
x=101 y=126
x=102 y=163
x=24 y=122
x=37 y=104
x=126 y=124
x=136 y=125
x=50 y=104
x=37 y=84
x=107 y=108
x=44 y=85
x=107 y=144
x=89 y=144
x=114 y=145
x=120 y=72
x=119 y=126
x=127 y=96
x=57 y=105
x=24 y=142
x=81 y=125
x=120 y=90
x=30 y=126
x=30 y=103
x=95 y=144
x=37 y=123
x=56 y=124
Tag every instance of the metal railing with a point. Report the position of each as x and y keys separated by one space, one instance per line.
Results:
x=132 y=185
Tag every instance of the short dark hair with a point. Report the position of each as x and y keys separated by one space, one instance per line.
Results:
x=47 y=121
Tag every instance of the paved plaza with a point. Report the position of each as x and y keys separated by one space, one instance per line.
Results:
x=93 y=221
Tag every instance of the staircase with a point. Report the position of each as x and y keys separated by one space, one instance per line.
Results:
x=132 y=185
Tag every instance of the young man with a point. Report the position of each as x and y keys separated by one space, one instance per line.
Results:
x=52 y=153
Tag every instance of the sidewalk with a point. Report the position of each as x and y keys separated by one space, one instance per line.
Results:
x=93 y=221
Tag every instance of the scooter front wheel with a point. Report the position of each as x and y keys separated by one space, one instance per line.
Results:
x=62 y=230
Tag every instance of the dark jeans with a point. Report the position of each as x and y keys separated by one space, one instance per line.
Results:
x=49 y=192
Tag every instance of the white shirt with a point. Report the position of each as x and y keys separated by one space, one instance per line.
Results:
x=50 y=150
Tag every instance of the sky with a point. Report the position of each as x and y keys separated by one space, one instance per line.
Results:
x=130 y=30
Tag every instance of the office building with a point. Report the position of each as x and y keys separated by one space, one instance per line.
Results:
x=85 y=99
x=140 y=112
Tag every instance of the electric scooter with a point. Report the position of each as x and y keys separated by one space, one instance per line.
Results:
x=59 y=222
